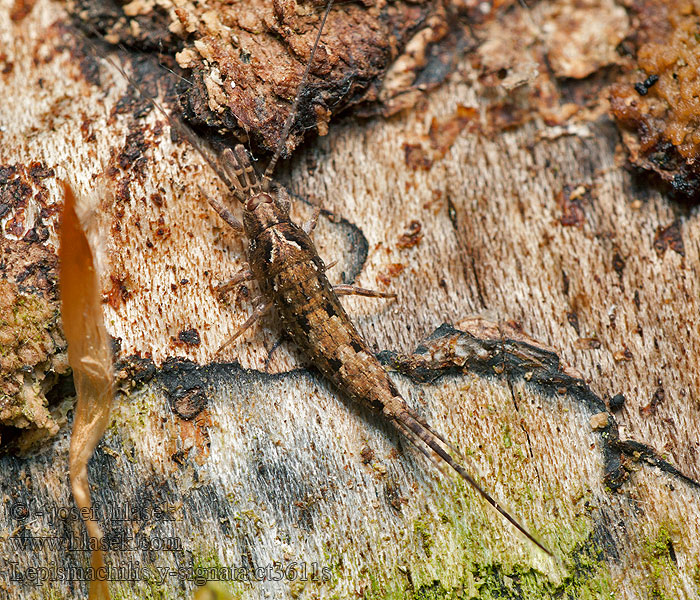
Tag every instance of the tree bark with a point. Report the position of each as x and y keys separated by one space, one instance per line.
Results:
x=537 y=280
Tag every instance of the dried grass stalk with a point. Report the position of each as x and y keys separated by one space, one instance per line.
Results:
x=90 y=358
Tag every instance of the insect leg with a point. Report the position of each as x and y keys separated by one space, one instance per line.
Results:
x=224 y=212
x=242 y=275
x=353 y=290
x=257 y=313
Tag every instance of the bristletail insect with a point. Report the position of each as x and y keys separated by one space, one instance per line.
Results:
x=291 y=275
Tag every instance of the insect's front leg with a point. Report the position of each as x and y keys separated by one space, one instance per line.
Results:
x=224 y=212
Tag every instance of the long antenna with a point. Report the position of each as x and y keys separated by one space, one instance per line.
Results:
x=176 y=124
x=293 y=111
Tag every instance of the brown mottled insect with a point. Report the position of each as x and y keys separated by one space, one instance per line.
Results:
x=291 y=276
x=285 y=263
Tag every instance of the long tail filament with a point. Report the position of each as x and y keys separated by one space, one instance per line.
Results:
x=417 y=431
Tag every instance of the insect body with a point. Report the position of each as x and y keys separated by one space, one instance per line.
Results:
x=291 y=276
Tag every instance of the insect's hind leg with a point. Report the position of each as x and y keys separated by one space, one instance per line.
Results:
x=424 y=423
x=353 y=290
x=310 y=225
x=416 y=443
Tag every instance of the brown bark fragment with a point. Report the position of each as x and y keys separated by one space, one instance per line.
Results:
x=657 y=106
x=582 y=37
x=32 y=348
x=416 y=157
x=658 y=397
x=412 y=237
x=571 y=201
x=444 y=132
x=667 y=237
x=244 y=62
x=20 y=9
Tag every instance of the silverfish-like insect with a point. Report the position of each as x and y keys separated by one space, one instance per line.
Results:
x=283 y=260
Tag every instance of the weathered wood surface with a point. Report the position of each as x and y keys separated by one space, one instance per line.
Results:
x=539 y=225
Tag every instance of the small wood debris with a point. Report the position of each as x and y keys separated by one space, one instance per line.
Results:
x=599 y=421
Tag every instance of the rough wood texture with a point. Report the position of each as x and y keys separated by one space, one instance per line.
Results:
x=245 y=59
x=586 y=278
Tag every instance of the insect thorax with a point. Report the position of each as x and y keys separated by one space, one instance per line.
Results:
x=261 y=212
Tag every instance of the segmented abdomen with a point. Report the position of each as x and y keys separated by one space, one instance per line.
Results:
x=292 y=276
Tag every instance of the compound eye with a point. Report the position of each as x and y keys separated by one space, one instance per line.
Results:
x=257 y=200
